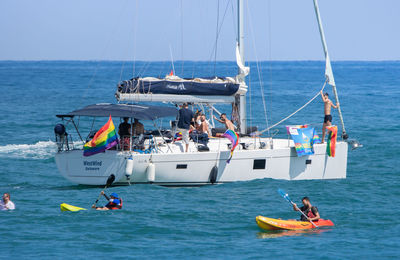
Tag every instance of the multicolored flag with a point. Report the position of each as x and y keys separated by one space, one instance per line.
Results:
x=103 y=140
x=332 y=136
x=234 y=138
x=304 y=138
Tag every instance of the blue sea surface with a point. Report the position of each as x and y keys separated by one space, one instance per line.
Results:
x=200 y=222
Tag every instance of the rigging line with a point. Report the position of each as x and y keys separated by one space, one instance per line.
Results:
x=134 y=38
x=172 y=59
x=122 y=70
x=295 y=112
x=115 y=30
x=216 y=39
x=258 y=68
x=269 y=36
x=233 y=20
x=250 y=103
x=219 y=30
x=183 y=61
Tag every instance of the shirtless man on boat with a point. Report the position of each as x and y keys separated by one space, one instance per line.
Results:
x=224 y=120
x=327 y=110
x=309 y=210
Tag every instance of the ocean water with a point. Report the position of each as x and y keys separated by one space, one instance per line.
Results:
x=200 y=222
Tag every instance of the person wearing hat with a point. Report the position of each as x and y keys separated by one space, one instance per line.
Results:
x=327 y=110
x=114 y=202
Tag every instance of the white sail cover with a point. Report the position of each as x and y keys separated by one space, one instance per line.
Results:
x=244 y=71
x=328 y=71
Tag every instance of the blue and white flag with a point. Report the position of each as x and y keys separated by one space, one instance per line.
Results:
x=304 y=138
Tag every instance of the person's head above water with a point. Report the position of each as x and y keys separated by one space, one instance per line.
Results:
x=6 y=197
x=114 y=195
x=326 y=94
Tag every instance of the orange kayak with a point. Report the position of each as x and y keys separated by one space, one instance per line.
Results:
x=279 y=224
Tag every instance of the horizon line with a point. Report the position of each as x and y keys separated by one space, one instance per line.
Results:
x=177 y=61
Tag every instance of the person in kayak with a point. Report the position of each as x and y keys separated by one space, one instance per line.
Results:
x=113 y=202
x=309 y=210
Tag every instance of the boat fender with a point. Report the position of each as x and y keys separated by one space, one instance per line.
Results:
x=151 y=172
x=129 y=167
x=213 y=175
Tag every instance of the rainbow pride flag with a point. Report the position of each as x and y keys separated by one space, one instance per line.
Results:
x=234 y=138
x=103 y=140
x=178 y=136
x=331 y=144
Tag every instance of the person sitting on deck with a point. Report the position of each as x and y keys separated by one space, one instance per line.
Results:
x=204 y=126
x=309 y=210
x=113 y=202
x=124 y=131
x=137 y=128
x=201 y=133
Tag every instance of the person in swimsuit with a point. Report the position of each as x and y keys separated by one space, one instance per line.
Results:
x=327 y=110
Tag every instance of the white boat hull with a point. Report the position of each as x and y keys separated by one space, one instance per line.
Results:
x=194 y=168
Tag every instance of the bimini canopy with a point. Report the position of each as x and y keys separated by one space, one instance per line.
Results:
x=174 y=85
x=141 y=112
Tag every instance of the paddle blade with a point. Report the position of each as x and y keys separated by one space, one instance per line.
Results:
x=110 y=180
x=284 y=195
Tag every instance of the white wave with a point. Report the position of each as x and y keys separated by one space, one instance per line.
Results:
x=40 y=150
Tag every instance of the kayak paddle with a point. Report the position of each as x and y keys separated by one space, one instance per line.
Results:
x=286 y=197
x=110 y=180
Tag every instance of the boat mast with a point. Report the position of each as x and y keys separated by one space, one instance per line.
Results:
x=328 y=69
x=242 y=97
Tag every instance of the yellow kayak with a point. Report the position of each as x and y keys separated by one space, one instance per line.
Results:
x=67 y=207
x=279 y=224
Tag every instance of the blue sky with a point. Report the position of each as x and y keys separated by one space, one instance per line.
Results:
x=149 y=29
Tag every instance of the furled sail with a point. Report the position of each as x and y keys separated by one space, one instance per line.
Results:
x=328 y=71
x=244 y=71
x=173 y=85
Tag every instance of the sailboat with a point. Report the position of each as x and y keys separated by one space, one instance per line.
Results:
x=162 y=161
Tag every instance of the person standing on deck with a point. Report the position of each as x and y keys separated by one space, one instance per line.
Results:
x=124 y=131
x=327 y=110
x=185 y=117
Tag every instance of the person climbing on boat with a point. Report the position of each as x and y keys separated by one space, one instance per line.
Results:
x=114 y=202
x=327 y=111
x=309 y=210
x=224 y=120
